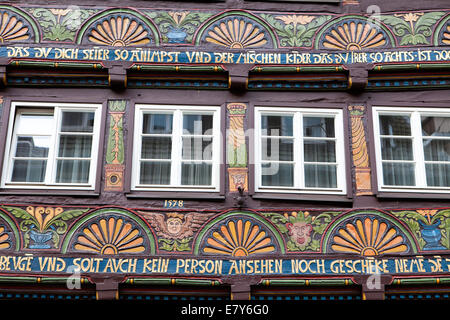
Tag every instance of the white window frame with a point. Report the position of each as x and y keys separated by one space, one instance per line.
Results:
x=50 y=174
x=176 y=157
x=417 y=146
x=299 y=181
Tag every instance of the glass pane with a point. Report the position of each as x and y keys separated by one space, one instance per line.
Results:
x=196 y=174
x=320 y=176
x=77 y=122
x=198 y=124
x=197 y=148
x=29 y=170
x=396 y=149
x=155 y=173
x=436 y=150
x=156 y=148
x=395 y=125
x=35 y=123
x=436 y=126
x=438 y=175
x=318 y=127
x=319 y=151
x=398 y=174
x=32 y=147
x=277 y=126
x=157 y=123
x=72 y=171
x=75 y=146
x=277 y=174
x=277 y=149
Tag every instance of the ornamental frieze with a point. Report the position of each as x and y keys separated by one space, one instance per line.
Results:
x=230 y=29
x=231 y=233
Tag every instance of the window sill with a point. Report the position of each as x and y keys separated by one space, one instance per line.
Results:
x=412 y=195
x=48 y=192
x=175 y=195
x=302 y=197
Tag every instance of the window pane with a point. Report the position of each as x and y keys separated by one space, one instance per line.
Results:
x=157 y=123
x=398 y=174
x=196 y=174
x=396 y=149
x=318 y=127
x=197 y=124
x=197 y=148
x=29 y=170
x=32 y=147
x=155 y=173
x=156 y=148
x=319 y=151
x=320 y=176
x=395 y=125
x=438 y=174
x=77 y=122
x=436 y=126
x=75 y=146
x=35 y=123
x=277 y=174
x=275 y=149
x=277 y=126
x=436 y=150
x=72 y=171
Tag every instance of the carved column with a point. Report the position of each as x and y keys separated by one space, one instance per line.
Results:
x=236 y=148
x=115 y=151
x=360 y=153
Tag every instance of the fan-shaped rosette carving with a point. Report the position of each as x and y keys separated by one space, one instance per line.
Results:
x=354 y=35
x=12 y=28
x=120 y=31
x=368 y=237
x=5 y=241
x=237 y=33
x=238 y=239
x=446 y=35
x=108 y=236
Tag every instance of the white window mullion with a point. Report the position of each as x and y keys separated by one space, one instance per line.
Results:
x=216 y=149
x=416 y=132
x=177 y=147
x=257 y=149
x=299 y=152
x=339 y=146
x=50 y=174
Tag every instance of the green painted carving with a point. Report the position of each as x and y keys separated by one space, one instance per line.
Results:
x=115 y=149
x=60 y=24
x=430 y=226
x=178 y=26
x=413 y=28
x=303 y=230
x=42 y=224
x=295 y=30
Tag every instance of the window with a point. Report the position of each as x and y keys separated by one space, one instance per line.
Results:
x=412 y=148
x=297 y=150
x=52 y=146
x=177 y=147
